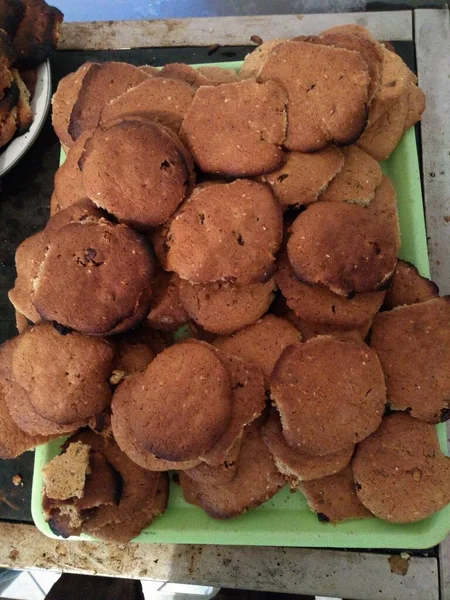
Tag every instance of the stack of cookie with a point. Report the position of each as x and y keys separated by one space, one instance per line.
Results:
x=29 y=32
x=250 y=213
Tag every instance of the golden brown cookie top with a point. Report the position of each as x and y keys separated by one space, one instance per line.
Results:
x=297 y=466
x=94 y=276
x=172 y=413
x=222 y=307
x=225 y=232
x=65 y=376
x=158 y=99
x=146 y=195
x=413 y=343
x=317 y=304
x=237 y=129
x=400 y=472
x=345 y=247
x=330 y=394
x=261 y=343
x=303 y=177
x=407 y=286
x=327 y=91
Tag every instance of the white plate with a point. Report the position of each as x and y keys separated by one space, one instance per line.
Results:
x=40 y=104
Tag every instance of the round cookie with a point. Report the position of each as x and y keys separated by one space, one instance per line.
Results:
x=95 y=277
x=261 y=343
x=357 y=181
x=327 y=92
x=223 y=308
x=345 y=247
x=68 y=186
x=136 y=170
x=303 y=177
x=330 y=394
x=413 y=344
x=172 y=415
x=317 y=304
x=407 y=286
x=101 y=83
x=225 y=232
x=237 y=129
x=212 y=475
x=65 y=376
x=400 y=472
x=254 y=61
x=164 y=101
x=79 y=212
x=257 y=481
x=334 y=497
x=297 y=466
x=167 y=312
x=197 y=77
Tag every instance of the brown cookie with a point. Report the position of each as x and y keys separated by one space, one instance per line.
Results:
x=68 y=185
x=11 y=13
x=317 y=304
x=217 y=75
x=311 y=330
x=95 y=277
x=197 y=77
x=407 y=286
x=413 y=343
x=153 y=71
x=330 y=394
x=63 y=101
x=177 y=387
x=24 y=110
x=146 y=195
x=65 y=475
x=130 y=358
x=304 y=177
x=333 y=498
x=261 y=343
x=327 y=93
x=345 y=247
x=254 y=61
x=65 y=376
x=37 y=34
x=213 y=475
x=416 y=104
x=225 y=232
x=400 y=472
x=297 y=466
x=8 y=127
x=100 y=85
x=167 y=312
x=357 y=181
x=164 y=101
x=223 y=308
x=79 y=212
x=237 y=128
x=257 y=480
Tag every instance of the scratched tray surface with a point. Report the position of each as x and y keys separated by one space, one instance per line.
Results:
x=286 y=520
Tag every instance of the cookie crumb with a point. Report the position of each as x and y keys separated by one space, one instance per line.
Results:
x=17 y=479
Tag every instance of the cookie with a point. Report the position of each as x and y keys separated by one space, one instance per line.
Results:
x=311 y=330
x=297 y=466
x=146 y=195
x=413 y=343
x=400 y=472
x=213 y=475
x=357 y=181
x=197 y=77
x=14 y=441
x=225 y=232
x=237 y=129
x=80 y=212
x=167 y=312
x=223 y=308
x=407 y=286
x=261 y=343
x=11 y=13
x=344 y=247
x=63 y=101
x=102 y=486
x=100 y=85
x=333 y=498
x=217 y=75
x=317 y=304
x=8 y=127
x=65 y=475
x=68 y=184
x=152 y=71
x=254 y=61
x=95 y=277
x=304 y=177
x=164 y=101
x=130 y=358
x=327 y=92
x=177 y=387
x=257 y=481
x=416 y=104
x=65 y=376
x=330 y=394
x=24 y=110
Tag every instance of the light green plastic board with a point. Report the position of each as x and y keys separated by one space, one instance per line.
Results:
x=286 y=519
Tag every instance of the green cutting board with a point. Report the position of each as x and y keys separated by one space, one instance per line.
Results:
x=286 y=520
